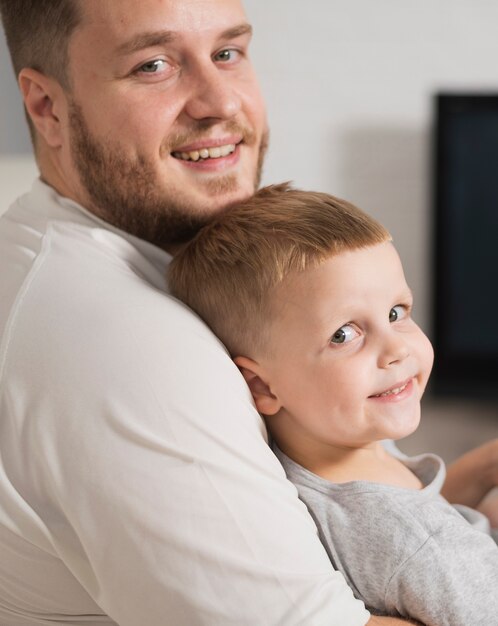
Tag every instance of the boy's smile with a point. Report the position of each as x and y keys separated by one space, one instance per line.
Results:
x=346 y=364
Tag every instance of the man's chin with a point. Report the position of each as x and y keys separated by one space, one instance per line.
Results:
x=214 y=196
x=212 y=191
x=220 y=187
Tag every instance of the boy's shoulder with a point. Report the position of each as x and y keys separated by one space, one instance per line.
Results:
x=378 y=512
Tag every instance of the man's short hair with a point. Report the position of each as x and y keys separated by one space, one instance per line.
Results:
x=229 y=271
x=38 y=32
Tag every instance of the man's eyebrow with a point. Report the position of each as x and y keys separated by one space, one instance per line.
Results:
x=145 y=40
x=161 y=37
x=237 y=31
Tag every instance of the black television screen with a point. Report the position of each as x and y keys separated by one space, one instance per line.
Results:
x=466 y=245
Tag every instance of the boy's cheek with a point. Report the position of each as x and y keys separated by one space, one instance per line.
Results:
x=429 y=356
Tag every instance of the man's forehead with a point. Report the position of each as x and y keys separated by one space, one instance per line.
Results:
x=111 y=29
x=147 y=39
x=122 y=17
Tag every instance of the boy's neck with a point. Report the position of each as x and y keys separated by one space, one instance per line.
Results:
x=371 y=463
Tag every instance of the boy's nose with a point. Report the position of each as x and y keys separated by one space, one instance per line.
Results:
x=394 y=350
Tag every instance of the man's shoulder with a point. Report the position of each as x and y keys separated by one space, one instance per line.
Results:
x=94 y=338
x=88 y=295
x=90 y=282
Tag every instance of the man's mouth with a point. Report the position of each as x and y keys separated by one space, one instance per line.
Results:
x=394 y=391
x=203 y=154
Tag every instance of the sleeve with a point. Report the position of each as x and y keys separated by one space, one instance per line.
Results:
x=451 y=580
x=150 y=466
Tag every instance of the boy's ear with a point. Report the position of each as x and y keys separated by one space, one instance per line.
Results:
x=266 y=402
x=43 y=97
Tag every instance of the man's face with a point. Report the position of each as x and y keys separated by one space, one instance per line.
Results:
x=346 y=360
x=166 y=122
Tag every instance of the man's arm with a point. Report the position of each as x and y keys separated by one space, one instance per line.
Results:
x=388 y=621
x=471 y=477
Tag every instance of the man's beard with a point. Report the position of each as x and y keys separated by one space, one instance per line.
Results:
x=126 y=192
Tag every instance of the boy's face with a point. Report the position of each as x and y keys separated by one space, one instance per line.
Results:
x=347 y=364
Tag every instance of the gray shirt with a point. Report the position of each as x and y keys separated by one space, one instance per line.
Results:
x=406 y=552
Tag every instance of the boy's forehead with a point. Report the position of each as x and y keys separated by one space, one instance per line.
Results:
x=343 y=281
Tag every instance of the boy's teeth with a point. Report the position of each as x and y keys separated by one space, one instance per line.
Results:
x=206 y=153
x=391 y=392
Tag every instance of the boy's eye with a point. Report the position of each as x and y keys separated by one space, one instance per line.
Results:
x=345 y=334
x=397 y=313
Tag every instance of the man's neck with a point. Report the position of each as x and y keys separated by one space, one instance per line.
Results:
x=66 y=184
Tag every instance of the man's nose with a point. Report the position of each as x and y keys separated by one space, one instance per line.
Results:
x=212 y=94
x=394 y=349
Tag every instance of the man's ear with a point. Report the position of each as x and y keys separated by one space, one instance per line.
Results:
x=266 y=402
x=43 y=98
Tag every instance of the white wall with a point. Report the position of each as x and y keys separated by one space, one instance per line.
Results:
x=17 y=173
x=17 y=166
x=349 y=86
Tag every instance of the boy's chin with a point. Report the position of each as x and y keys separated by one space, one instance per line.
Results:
x=405 y=426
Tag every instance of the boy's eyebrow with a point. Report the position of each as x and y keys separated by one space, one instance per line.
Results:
x=161 y=37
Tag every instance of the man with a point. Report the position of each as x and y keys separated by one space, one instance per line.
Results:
x=136 y=484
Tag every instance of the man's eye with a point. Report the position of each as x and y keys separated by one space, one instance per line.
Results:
x=345 y=334
x=227 y=55
x=152 y=67
x=397 y=313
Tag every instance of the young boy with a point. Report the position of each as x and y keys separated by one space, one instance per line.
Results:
x=308 y=294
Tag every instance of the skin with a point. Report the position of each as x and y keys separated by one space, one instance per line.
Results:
x=392 y=621
x=462 y=487
x=331 y=357
x=148 y=81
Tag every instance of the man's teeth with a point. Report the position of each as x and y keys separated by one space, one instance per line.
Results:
x=392 y=392
x=206 y=153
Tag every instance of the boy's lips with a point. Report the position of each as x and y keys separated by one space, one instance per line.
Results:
x=397 y=391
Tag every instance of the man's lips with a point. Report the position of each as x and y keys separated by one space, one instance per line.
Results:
x=207 y=149
x=206 y=153
x=397 y=391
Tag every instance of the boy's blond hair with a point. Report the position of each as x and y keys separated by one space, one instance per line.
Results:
x=228 y=272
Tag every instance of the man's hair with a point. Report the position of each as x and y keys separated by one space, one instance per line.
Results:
x=229 y=271
x=38 y=32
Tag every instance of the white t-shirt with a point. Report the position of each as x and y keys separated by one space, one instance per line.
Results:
x=136 y=483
